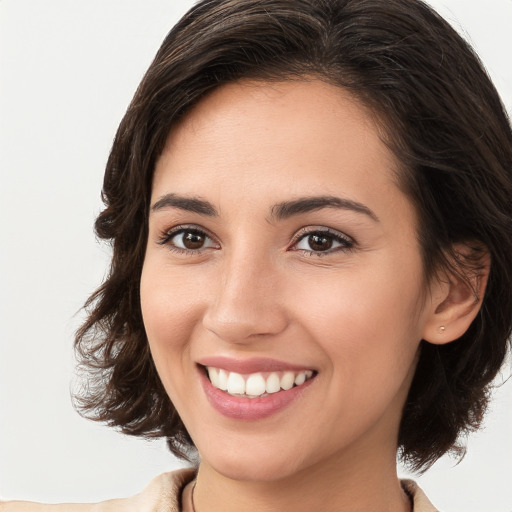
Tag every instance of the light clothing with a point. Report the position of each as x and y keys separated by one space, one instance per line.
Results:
x=163 y=494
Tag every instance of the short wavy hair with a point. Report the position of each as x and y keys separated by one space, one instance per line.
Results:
x=440 y=115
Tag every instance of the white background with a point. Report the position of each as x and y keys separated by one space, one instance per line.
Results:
x=68 y=70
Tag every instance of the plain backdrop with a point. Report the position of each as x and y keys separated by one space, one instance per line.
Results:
x=68 y=70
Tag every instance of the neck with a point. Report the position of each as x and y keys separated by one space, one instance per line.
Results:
x=337 y=487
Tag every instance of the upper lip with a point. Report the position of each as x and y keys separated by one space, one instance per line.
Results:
x=252 y=365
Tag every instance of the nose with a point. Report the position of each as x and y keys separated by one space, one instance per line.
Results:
x=246 y=301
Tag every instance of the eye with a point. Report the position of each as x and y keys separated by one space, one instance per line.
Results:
x=187 y=239
x=323 y=241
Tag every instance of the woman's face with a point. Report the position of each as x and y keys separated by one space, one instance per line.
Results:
x=282 y=253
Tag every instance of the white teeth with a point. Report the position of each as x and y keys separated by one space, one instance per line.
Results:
x=213 y=373
x=287 y=380
x=223 y=380
x=236 y=384
x=273 y=383
x=300 y=379
x=256 y=385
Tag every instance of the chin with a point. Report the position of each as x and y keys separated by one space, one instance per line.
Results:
x=258 y=466
x=255 y=472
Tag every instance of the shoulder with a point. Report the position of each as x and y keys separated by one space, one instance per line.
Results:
x=162 y=494
x=420 y=500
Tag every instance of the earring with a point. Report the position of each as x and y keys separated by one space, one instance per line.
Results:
x=442 y=329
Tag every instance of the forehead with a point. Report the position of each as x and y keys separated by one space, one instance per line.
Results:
x=296 y=108
x=276 y=141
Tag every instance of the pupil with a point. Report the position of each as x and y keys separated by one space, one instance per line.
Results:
x=320 y=242
x=193 y=240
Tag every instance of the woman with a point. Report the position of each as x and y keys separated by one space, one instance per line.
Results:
x=309 y=205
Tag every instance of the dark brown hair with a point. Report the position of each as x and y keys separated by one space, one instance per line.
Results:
x=442 y=118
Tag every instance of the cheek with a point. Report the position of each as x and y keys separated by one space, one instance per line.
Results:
x=168 y=304
x=368 y=321
x=169 y=311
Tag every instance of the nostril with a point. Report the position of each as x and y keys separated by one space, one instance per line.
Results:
x=243 y=327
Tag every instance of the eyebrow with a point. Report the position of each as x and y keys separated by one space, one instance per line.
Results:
x=279 y=211
x=189 y=204
x=302 y=205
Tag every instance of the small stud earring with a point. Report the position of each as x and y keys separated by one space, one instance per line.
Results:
x=442 y=329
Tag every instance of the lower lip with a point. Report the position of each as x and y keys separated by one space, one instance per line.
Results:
x=250 y=408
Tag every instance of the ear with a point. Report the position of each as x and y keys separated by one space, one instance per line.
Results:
x=456 y=297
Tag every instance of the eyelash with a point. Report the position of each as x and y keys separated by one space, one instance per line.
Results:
x=346 y=242
x=166 y=237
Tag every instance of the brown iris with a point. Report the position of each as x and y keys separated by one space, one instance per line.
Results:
x=320 y=242
x=193 y=240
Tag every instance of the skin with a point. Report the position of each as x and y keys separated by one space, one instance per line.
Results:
x=256 y=289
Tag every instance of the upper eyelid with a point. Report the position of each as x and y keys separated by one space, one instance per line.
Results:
x=347 y=243
x=166 y=234
x=320 y=229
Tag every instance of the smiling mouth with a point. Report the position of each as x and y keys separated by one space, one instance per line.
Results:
x=256 y=385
